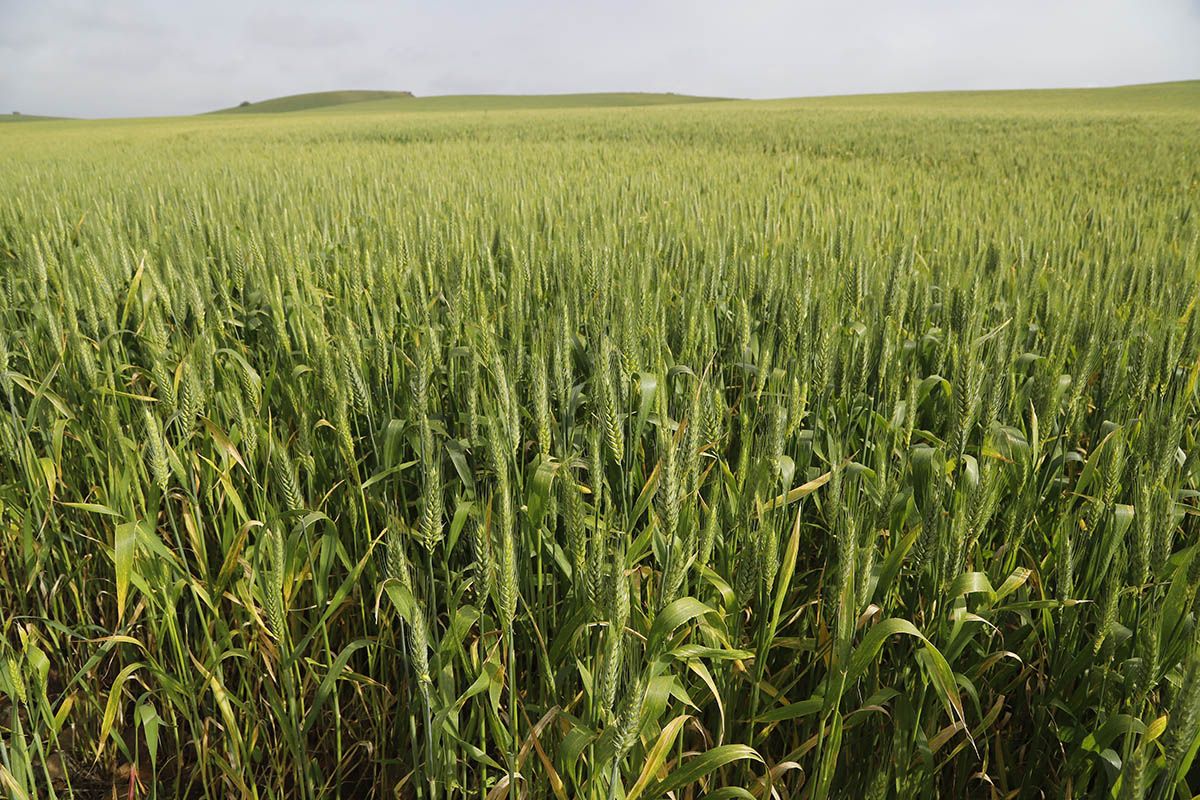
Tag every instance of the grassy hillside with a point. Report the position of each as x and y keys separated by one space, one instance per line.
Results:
x=511 y=102
x=1172 y=97
x=26 y=118
x=383 y=102
x=311 y=100
x=1175 y=96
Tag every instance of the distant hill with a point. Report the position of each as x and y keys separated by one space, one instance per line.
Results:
x=1174 y=96
x=377 y=102
x=311 y=100
x=1177 y=96
x=512 y=102
x=25 y=118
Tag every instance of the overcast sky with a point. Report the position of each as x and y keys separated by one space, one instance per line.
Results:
x=149 y=57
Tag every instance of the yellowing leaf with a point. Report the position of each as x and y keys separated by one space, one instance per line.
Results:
x=1156 y=728
x=657 y=755
x=114 y=702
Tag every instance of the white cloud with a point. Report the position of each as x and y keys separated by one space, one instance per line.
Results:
x=131 y=57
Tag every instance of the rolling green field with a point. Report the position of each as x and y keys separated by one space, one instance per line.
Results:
x=25 y=118
x=312 y=100
x=1177 y=97
x=828 y=448
x=514 y=102
x=365 y=102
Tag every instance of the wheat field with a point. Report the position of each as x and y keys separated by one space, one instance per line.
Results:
x=729 y=450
